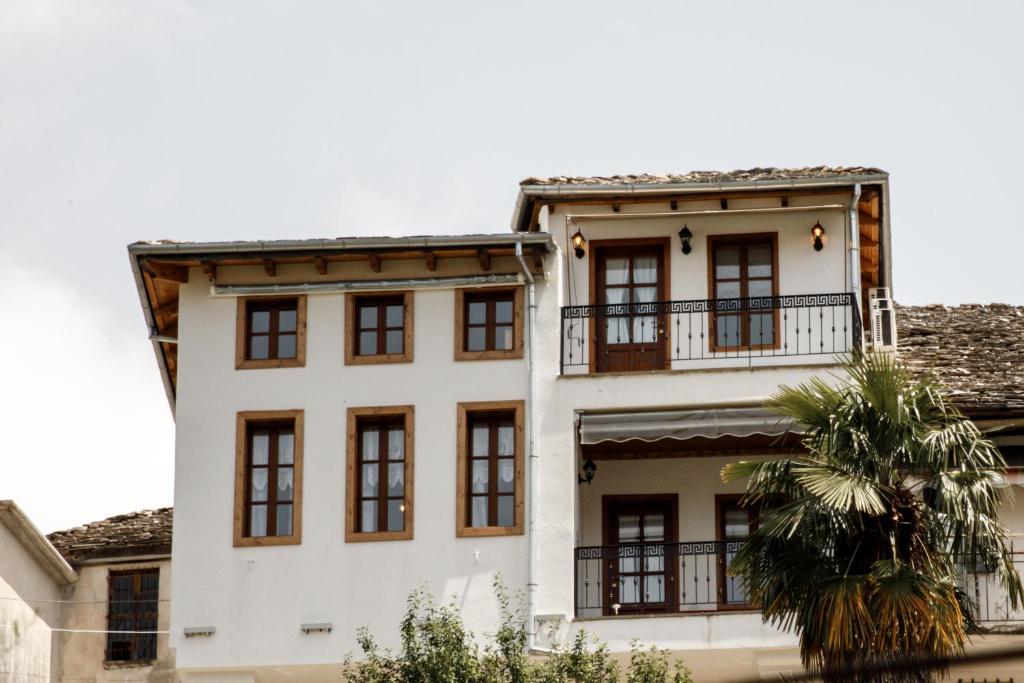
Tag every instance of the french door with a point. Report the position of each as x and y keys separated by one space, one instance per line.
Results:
x=630 y=335
x=735 y=523
x=640 y=575
x=744 y=268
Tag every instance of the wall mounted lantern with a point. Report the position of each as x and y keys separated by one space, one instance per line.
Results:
x=685 y=236
x=589 y=468
x=578 y=242
x=817 y=232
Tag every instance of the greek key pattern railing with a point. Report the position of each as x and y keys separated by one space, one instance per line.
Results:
x=659 y=334
x=644 y=578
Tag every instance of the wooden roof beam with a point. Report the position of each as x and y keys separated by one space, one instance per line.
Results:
x=321 y=265
x=165 y=271
x=209 y=269
x=485 y=259
x=374 y=262
x=270 y=266
x=431 y=260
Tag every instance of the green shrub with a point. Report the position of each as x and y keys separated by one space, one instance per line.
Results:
x=437 y=648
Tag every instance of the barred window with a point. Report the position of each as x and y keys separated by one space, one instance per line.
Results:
x=132 y=606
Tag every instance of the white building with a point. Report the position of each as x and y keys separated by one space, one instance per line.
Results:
x=356 y=417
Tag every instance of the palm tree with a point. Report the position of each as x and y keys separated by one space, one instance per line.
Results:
x=862 y=533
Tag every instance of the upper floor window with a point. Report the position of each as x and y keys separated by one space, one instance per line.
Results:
x=378 y=328
x=744 y=267
x=488 y=324
x=132 y=611
x=271 y=333
x=379 y=479
x=490 y=469
x=268 y=480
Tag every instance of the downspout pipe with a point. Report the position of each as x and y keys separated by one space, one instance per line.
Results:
x=533 y=490
x=855 y=253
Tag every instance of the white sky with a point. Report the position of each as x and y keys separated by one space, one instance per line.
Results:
x=239 y=120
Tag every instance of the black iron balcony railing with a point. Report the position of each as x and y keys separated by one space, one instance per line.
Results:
x=651 y=578
x=692 y=576
x=661 y=334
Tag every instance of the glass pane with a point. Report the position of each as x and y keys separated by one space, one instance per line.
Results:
x=727 y=262
x=478 y=511
x=259 y=348
x=727 y=330
x=737 y=523
x=618 y=331
x=654 y=590
x=616 y=295
x=506 y=475
x=645 y=269
x=616 y=271
x=368 y=521
x=367 y=343
x=476 y=339
x=759 y=262
x=629 y=528
x=629 y=590
x=396 y=479
x=503 y=337
x=481 y=439
x=502 y=311
x=727 y=290
x=286 y=320
x=284 y=520
x=259 y=485
x=260 y=448
x=506 y=439
x=396 y=515
x=286 y=346
x=285 y=448
x=644 y=295
x=759 y=288
x=477 y=312
x=370 y=474
x=367 y=316
x=396 y=443
x=645 y=329
x=654 y=527
x=629 y=558
x=654 y=557
x=762 y=329
x=371 y=443
x=394 y=315
x=506 y=511
x=394 y=341
x=478 y=483
x=260 y=321
x=258 y=520
x=284 y=484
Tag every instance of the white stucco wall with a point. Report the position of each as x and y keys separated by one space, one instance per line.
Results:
x=83 y=653
x=29 y=610
x=257 y=597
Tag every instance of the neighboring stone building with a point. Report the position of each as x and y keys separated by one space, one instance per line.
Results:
x=124 y=582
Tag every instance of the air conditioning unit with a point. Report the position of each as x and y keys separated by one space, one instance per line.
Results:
x=883 y=319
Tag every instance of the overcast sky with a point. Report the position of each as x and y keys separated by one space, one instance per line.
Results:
x=144 y=119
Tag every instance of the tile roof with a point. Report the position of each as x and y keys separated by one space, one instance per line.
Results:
x=976 y=351
x=147 y=532
x=748 y=175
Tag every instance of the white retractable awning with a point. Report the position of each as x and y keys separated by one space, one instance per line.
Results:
x=681 y=424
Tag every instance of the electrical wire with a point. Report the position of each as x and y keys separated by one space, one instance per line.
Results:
x=80 y=602
x=77 y=630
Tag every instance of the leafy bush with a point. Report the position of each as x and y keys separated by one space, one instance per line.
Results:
x=437 y=648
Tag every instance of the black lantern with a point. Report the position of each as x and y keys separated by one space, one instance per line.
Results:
x=685 y=236
x=817 y=232
x=578 y=241
x=589 y=468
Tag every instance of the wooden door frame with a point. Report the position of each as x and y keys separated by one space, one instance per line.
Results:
x=671 y=536
x=663 y=295
x=712 y=242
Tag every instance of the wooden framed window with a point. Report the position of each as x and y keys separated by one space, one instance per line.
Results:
x=270 y=332
x=489 y=470
x=133 y=599
x=488 y=323
x=378 y=328
x=268 y=478
x=378 y=479
x=743 y=268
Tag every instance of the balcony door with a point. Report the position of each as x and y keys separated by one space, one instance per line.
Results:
x=629 y=277
x=640 y=568
x=735 y=523
x=744 y=274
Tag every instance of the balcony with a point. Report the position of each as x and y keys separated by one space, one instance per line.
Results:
x=708 y=333
x=692 y=578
